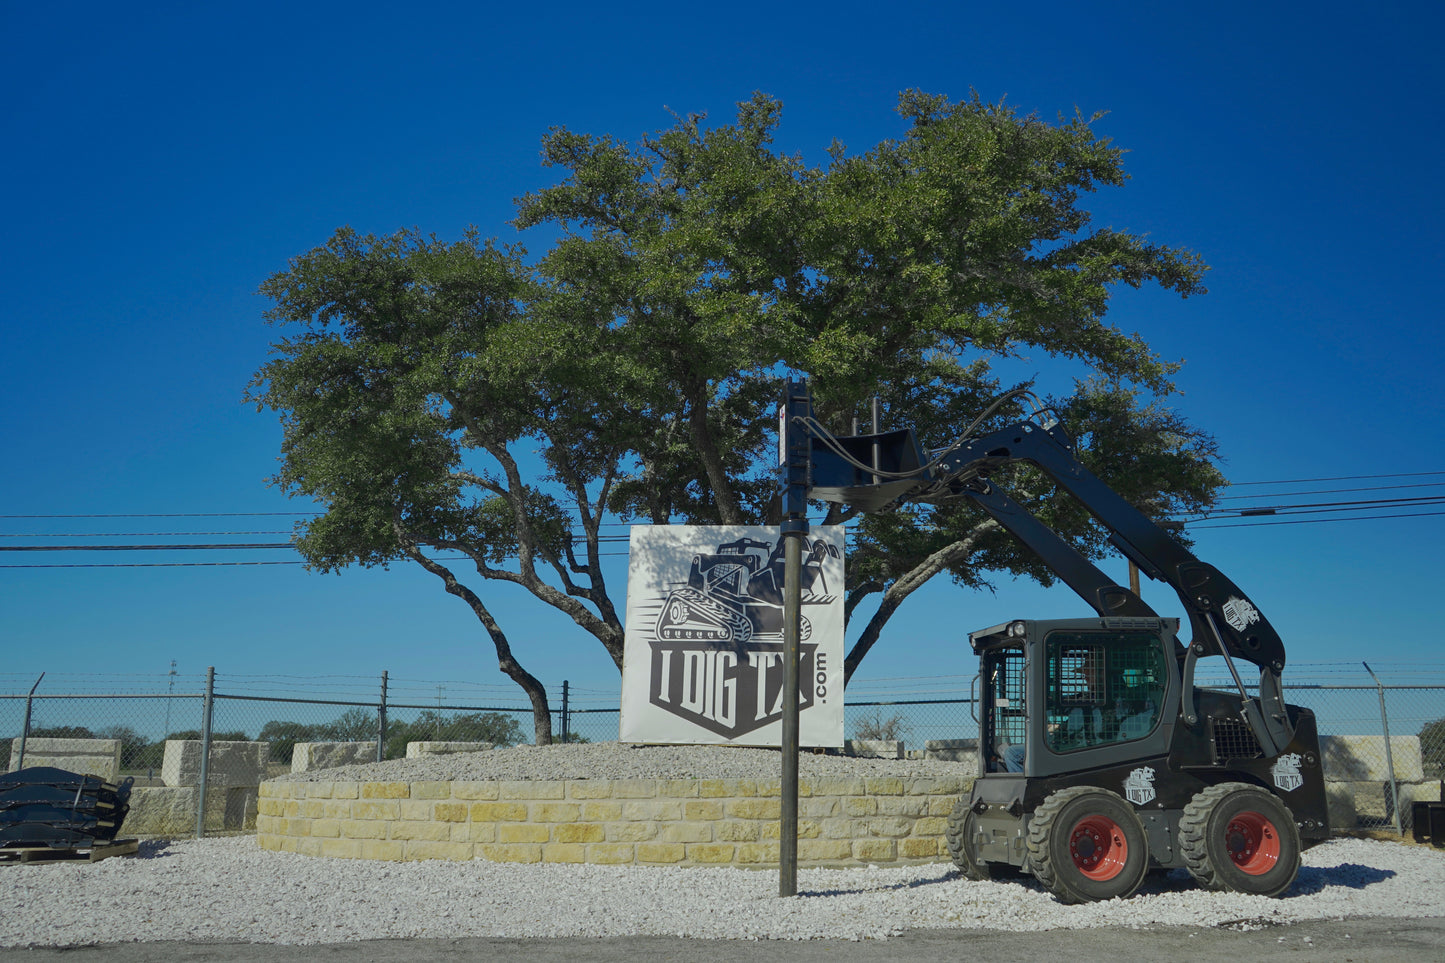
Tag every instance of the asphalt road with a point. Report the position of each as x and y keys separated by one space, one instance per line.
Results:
x=1362 y=940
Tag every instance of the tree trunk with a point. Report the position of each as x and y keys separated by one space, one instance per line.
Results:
x=536 y=692
x=729 y=513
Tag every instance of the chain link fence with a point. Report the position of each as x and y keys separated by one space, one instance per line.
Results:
x=255 y=727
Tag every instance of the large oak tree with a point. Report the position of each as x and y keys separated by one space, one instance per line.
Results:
x=463 y=397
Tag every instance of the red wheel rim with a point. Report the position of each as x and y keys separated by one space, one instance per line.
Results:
x=1098 y=847
x=1252 y=842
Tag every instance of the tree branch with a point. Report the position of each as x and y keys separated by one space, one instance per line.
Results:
x=908 y=583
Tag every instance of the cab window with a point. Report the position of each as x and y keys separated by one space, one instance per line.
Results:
x=1102 y=688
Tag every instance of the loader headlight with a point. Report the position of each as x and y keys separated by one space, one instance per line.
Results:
x=1015 y=630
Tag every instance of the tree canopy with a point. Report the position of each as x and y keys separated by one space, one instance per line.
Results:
x=640 y=356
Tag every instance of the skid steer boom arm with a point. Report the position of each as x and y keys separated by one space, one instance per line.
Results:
x=1224 y=620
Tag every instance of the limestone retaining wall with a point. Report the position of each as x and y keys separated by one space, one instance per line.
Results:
x=680 y=822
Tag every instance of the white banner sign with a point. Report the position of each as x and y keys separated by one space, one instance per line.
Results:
x=703 y=661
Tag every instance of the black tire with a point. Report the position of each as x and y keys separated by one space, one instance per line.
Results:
x=1241 y=838
x=959 y=836
x=1087 y=844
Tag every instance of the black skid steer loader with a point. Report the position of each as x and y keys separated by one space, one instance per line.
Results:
x=1100 y=758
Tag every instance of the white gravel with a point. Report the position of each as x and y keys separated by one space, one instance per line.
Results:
x=612 y=760
x=229 y=890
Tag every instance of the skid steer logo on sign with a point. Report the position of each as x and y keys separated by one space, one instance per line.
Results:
x=1286 y=772
x=703 y=661
x=1139 y=787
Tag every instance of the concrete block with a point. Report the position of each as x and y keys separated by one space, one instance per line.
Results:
x=96 y=757
x=309 y=756
x=874 y=748
x=415 y=749
x=1340 y=801
x=952 y=750
x=1363 y=759
x=1371 y=798
x=171 y=810
x=231 y=763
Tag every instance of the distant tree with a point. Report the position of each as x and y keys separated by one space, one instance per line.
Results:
x=874 y=725
x=61 y=732
x=431 y=726
x=283 y=736
x=195 y=734
x=357 y=724
x=136 y=751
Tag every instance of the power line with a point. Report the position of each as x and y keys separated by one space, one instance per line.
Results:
x=1307 y=507
x=1333 y=491
x=132 y=534
x=143 y=548
x=1318 y=521
x=173 y=515
x=151 y=564
x=1303 y=481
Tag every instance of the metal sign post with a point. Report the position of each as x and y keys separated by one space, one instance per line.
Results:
x=794 y=451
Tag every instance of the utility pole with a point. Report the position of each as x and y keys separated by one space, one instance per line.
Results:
x=170 y=692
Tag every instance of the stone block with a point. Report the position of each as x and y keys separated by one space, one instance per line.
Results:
x=553 y=812
x=1363 y=759
x=952 y=750
x=230 y=764
x=161 y=811
x=756 y=854
x=492 y=812
x=417 y=749
x=429 y=849
x=508 y=852
x=94 y=757
x=450 y=812
x=874 y=850
x=611 y=854
x=660 y=852
x=824 y=850
x=580 y=833
x=532 y=789
x=171 y=810
x=564 y=853
x=919 y=848
x=310 y=756
x=874 y=748
x=754 y=808
x=1340 y=800
x=522 y=833
x=710 y=853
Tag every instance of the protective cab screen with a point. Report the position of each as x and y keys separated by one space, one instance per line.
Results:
x=1102 y=688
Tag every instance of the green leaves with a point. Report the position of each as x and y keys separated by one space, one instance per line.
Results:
x=458 y=395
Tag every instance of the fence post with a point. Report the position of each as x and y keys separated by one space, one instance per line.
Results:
x=381 y=721
x=206 y=706
x=565 y=717
x=25 y=729
x=1389 y=754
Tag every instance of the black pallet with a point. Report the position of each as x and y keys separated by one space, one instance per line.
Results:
x=1429 y=822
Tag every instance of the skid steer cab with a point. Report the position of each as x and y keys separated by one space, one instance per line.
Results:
x=1091 y=774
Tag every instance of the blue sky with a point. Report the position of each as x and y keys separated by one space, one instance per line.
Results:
x=162 y=160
